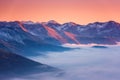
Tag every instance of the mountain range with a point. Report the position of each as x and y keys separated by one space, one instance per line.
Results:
x=26 y=38
x=54 y=33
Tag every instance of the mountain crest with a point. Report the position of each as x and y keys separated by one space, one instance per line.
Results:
x=53 y=21
x=54 y=33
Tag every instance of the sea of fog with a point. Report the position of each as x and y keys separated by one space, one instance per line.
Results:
x=83 y=63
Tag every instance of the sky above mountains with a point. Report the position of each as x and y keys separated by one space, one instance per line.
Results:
x=79 y=11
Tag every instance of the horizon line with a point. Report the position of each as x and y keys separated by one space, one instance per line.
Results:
x=58 y=21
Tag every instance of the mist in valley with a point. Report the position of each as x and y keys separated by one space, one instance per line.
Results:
x=83 y=63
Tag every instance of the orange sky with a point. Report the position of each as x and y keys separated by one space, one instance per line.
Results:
x=79 y=11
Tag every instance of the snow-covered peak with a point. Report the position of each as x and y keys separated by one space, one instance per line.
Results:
x=28 y=22
x=53 y=22
x=112 y=23
x=70 y=24
x=96 y=25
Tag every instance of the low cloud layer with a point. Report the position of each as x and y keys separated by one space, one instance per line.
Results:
x=85 y=63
